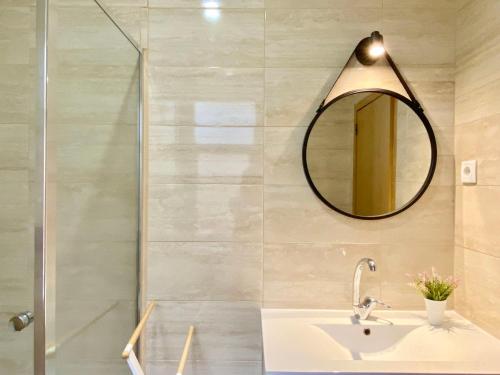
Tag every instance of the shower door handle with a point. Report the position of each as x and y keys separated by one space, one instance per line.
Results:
x=22 y=320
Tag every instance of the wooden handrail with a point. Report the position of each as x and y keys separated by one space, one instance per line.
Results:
x=138 y=330
x=185 y=352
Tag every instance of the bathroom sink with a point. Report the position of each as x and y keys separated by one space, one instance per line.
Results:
x=333 y=341
x=369 y=338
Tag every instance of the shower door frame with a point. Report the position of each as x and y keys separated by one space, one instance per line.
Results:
x=39 y=184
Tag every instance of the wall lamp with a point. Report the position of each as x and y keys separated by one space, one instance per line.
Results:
x=370 y=49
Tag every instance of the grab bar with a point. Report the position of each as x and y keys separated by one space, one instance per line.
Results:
x=185 y=352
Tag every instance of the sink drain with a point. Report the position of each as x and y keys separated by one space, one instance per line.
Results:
x=367 y=331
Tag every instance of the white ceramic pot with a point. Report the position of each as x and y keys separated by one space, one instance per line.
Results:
x=435 y=311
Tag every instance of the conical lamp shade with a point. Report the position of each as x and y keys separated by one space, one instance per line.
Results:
x=356 y=76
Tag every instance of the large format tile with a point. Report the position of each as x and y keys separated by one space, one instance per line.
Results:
x=480 y=218
x=399 y=265
x=224 y=331
x=316 y=275
x=311 y=4
x=294 y=95
x=316 y=37
x=207 y=37
x=420 y=4
x=283 y=156
x=478 y=103
x=205 y=154
x=207 y=96
x=204 y=271
x=17 y=33
x=205 y=213
x=294 y=214
x=206 y=367
x=82 y=274
x=210 y=4
x=92 y=331
x=17 y=83
x=471 y=143
x=423 y=36
x=477 y=29
x=475 y=297
x=97 y=94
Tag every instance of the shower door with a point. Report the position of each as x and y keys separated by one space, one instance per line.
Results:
x=69 y=188
x=18 y=97
x=91 y=190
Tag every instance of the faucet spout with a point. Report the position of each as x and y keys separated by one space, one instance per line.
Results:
x=362 y=309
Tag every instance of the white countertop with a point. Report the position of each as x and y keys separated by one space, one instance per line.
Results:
x=331 y=341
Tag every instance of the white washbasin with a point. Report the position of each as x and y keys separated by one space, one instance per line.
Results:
x=332 y=341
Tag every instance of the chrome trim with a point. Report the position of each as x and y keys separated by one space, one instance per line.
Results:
x=42 y=21
x=127 y=36
x=140 y=163
x=22 y=320
x=362 y=309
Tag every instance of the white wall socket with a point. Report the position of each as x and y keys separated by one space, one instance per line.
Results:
x=468 y=172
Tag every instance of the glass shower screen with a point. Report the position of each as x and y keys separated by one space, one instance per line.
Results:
x=69 y=188
x=92 y=191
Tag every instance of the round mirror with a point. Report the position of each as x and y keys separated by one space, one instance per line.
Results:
x=369 y=154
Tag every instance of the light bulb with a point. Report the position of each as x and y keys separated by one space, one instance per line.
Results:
x=376 y=50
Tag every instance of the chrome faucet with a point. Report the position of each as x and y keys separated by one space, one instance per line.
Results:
x=362 y=310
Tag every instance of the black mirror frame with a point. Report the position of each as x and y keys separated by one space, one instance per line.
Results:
x=420 y=113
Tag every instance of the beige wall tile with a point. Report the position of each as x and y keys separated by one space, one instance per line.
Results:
x=205 y=213
x=205 y=154
x=207 y=37
x=474 y=299
x=420 y=4
x=206 y=96
x=480 y=219
x=103 y=211
x=471 y=144
x=283 y=156
x=16 y=94
x=294 y=95
x=294 y=214
x=476 y=117
x=316 y=38
x=133 y=20
x=107 y=323
x=478 y=70
x=226 y=271
x=311 y=4
x=425 y=36
x=398 y=264
x=206 y=367
x=202 y=119
x=225 y=331
x=105 y=266
x=477 y=28
x=316 y=275
x=206 y=3
x=17 y=34
x=478 y=103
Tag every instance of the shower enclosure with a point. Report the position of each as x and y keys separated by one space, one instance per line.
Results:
x=70 y=172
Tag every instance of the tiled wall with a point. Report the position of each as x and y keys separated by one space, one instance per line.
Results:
x=477 y=244
x=232 y=223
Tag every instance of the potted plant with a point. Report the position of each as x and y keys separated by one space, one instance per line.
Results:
x=436 y=291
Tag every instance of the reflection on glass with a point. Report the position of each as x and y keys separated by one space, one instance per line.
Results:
x=92 y=192
x=368 y=154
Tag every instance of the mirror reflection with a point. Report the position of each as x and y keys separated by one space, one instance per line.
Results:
x=368 y=154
